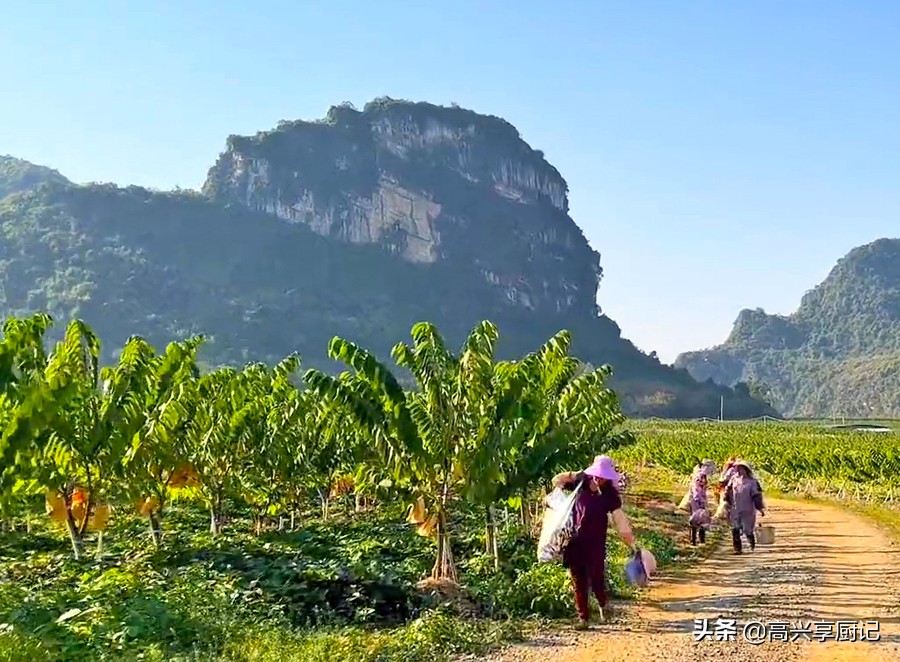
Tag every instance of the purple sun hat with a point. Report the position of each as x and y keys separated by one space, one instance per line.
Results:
x=603 y=467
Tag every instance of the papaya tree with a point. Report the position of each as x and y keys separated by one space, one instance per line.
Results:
x=225 y=415
x=423 y=439
x=268 y=439
x=331 y=448
x=566 y=417
x=23 y=360
x=155 y=463
x=77 y=454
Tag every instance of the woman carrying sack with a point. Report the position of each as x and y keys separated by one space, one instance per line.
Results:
x=585 y=555
x=743 y=495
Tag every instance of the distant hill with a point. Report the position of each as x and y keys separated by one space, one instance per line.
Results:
x=358 y=225
x=839 y=354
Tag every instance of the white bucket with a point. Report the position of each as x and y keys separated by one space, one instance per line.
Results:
x=765 y=535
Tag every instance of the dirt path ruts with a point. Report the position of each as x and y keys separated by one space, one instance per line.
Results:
x=826 y=565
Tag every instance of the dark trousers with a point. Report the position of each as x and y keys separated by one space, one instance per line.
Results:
x=697 y=532
x=736 y=539
x=587 y=578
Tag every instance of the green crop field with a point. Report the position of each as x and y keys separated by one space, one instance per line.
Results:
x=803 y=457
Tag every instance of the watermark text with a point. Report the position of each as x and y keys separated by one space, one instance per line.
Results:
x=758 y=632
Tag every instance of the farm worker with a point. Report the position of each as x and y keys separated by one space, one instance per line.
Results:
x=743 y=495
x=698 y=504
x=585 y=555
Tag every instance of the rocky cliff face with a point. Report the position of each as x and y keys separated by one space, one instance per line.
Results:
x=429 y=183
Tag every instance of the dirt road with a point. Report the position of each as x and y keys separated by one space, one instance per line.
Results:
x=826 y=565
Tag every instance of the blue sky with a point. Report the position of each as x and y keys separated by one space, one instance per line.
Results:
x=720 y=155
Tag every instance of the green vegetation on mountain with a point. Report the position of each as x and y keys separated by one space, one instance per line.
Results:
x=17 y=176
x=454 y=231
x=837 y=355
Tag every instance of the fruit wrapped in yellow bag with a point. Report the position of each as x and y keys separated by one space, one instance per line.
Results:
x=55 y=506
x=99 y=519
x=426 y=529
x=722 y=509
x=148 y=505
x=417 y=513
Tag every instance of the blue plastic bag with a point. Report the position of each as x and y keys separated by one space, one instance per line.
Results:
x=634 y=570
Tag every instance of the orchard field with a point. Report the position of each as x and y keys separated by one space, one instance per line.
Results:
x=150 y=512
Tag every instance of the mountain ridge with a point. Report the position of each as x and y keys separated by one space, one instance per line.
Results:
x=18 y=175
x=836 y=354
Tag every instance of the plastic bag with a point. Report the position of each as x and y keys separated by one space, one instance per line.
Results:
x=700 y=517
x=635 y=572
x=558 y=525
x=685 y=501
x=649 y=562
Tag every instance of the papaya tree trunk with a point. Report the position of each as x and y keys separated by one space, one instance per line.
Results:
x=155 y=528
x=444 y=565
x=525 y=511
x=258 y=524
x=490 y=536
x=74 y=535
x=215 y=515
x=88 y=507
x=323 y=497
x=492 y=524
